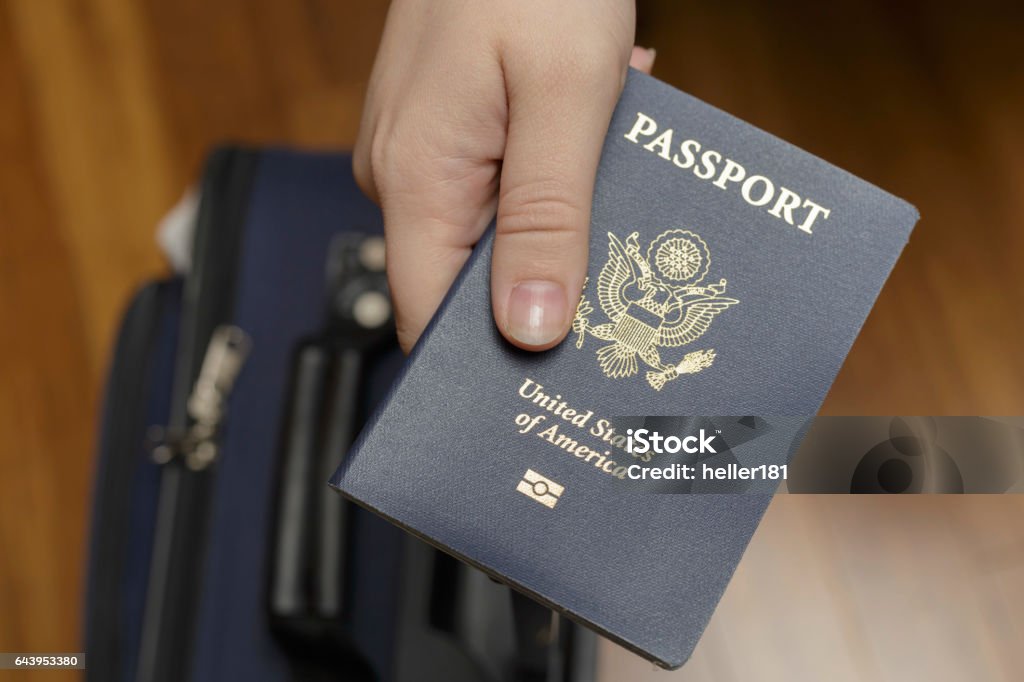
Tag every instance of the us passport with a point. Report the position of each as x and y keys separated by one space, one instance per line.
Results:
x=729 y=274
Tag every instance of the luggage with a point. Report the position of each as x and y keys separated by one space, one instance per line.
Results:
x=217 y=551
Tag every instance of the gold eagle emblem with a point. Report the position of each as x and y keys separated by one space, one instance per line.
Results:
x=652 y=302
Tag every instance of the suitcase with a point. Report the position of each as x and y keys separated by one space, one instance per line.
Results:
x=217 y=552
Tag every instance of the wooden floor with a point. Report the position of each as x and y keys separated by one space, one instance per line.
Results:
x=108 y=107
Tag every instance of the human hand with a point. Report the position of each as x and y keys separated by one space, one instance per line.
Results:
x=492 y=107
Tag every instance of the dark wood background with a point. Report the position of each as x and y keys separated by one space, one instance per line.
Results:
x=108 y=107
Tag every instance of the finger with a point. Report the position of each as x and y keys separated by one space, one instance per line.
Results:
x=642 y=59
x=420 y=269
x=557 y=125
x=430 y=230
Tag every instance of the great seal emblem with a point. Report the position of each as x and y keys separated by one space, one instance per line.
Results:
x=652 y=301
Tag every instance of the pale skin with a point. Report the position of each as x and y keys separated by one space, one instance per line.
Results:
x=492 y=108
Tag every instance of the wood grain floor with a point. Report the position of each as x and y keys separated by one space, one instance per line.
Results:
x=108 y=107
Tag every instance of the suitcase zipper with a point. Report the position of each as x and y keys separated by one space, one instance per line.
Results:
x=210 y=357
x=125 y=412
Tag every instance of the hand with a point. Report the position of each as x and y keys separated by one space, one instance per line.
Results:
x=477 y=108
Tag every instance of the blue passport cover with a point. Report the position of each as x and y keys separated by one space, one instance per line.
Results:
x=729 y=274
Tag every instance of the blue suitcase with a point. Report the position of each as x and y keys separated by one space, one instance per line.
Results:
x=217 y=551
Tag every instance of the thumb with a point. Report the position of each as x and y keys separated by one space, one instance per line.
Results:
x=556 y=129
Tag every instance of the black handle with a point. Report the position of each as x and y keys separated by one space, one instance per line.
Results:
x=293 y=537
x=342 y=421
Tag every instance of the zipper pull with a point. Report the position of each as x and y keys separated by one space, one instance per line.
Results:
x=226 y=353
x=224 y=358
x=228 y=349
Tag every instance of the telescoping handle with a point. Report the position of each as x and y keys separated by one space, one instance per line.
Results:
x=309 y=563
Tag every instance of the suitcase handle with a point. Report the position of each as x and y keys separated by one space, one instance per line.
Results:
x=308 y=564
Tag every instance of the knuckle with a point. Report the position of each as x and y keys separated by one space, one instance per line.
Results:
x=361 y=171
x=379 y=156
x=394 y=155
x=548 y=207
x=370 y=160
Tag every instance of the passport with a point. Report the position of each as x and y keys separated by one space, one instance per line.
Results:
x=729 y=274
